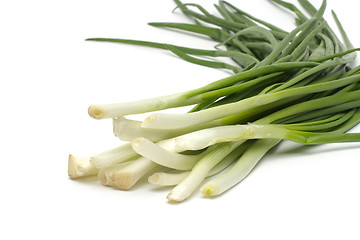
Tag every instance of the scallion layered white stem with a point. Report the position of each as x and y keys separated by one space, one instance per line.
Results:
x=160 y=155
x=174 y=178
x=206 y=137
x=106 y=175
x=129 y=130
x=168 y=178
x=240 y=169
x=80 y=167
x=201 y=170
x=113 y=156
x=127 y=176
x=100 y=111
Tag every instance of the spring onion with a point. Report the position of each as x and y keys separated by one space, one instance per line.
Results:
x=297 y=86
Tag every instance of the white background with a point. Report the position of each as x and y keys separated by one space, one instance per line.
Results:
x=49 y=76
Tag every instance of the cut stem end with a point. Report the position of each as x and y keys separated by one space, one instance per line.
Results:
x=96 y=111
x=209 y=190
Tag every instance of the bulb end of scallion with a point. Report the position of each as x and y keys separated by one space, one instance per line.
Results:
x=124 y=180
x=72 y=167
x=105 y=178
x=80 y=167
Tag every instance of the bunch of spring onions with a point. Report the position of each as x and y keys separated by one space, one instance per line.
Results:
x=297 y=86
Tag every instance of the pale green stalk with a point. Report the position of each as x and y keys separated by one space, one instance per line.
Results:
x=200 y=171
x=126 y=177
x=168 y=178
x=174 y=178
x=240 y=169
x=173 y=121
x=116 y=155
x=210 y=136
x=129 y=130
x=100 y=111
x=160 y=155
